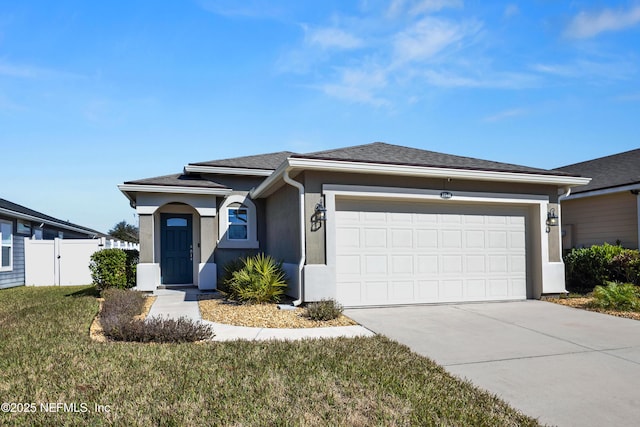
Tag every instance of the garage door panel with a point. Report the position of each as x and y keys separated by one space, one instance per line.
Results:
x=375 y=264
x=376 y=292
x=349 y=237
x=426 y=238
x=451 y=239
x=402 y=264
x=427 y=290
x=498 y=263
x=476 y=264
x=402 y=291
x=450 y=289
x=451 y=264
x=401 y=238
x=348 y=264
x=498 y=287
x=375 y=238
x=476 y=288
x=393 y=256
x=474 y=239
x=427 y=264
x=497 y=240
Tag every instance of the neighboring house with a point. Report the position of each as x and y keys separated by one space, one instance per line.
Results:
x=608 y=208
x=18 y=222
x=374 y=224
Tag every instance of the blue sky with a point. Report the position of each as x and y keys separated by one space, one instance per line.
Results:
x=96 y=93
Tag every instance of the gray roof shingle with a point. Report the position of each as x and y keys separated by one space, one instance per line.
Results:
x=179 y=180
x=260 y=161
x=14 y=207
x=607 y=172
x=380 y=152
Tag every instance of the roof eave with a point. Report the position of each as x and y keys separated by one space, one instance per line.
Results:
x=59 y=224
x=604 y=191
x=227 y=170
x=129 y=190
x=419 y=171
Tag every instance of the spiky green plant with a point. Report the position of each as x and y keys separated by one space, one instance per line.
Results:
x=261 y=279
x=617 y=296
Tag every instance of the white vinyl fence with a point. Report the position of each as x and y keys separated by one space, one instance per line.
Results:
x=63 y=261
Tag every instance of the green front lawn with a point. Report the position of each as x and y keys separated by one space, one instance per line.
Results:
x=47 y=358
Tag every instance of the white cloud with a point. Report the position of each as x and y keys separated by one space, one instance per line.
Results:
x=450 y=79
x=30 y=72
x=257 y=9
x=502 y=115
x=428 y=37
x=328 y=38
x=600 y=70
x=629 y=97
x=585 y=25
x=359 y=85
x=511 y=10
x=417 y=7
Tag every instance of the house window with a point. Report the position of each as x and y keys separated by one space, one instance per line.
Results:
x=238 y=218
x=6 y=239
x=238 y=223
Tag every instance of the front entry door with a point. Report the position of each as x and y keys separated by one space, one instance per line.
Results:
x=176 y=263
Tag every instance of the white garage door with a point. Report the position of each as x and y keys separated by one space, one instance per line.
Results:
x=417 y=252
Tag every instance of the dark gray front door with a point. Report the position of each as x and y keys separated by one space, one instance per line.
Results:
x=176 y=246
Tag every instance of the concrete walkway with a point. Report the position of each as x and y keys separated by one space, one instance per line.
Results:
x=176 y=303
x=569 y=367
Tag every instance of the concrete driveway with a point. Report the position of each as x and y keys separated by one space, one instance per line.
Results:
x=564 y=366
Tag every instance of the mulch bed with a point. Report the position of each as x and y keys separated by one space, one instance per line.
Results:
x=216 y=309
x=584 y=304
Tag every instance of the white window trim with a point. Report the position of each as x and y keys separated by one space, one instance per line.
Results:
x=252 y=241
x=10 y=266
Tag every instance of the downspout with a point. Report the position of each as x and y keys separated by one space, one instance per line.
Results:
x=303 y=251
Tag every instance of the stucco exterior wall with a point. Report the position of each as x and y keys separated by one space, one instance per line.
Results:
x=595 y=220
x=283 y=235
x=313 y=182
x=145 y=231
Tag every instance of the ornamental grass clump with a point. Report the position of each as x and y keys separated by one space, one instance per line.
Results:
x=326 y=309
x=119 y=322
x=260 y=279
x=616 y=296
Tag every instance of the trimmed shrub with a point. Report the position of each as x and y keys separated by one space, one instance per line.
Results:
x=616 y=296
x=326 y=309
x=109 y=269
x=587 y=268
x=117 y=320
x=261 y=279
x=120 y=302
x=625 y=267
x=230 y=268
x=131 y=266
x=158 y=330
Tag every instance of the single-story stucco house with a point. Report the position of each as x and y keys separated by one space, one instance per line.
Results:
x=18 y=222
x=607 y=209
x=374 y=224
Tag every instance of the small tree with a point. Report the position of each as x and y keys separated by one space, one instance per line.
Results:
x=125 y=232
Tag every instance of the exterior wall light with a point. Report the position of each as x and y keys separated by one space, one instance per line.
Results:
x=552 y=219
x=320 y=212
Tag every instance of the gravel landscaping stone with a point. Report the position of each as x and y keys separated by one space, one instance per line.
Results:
x=216 y=309
x=583 y=303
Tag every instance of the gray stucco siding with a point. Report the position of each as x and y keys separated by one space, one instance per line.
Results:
x=282 y=232
x=313 y=182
